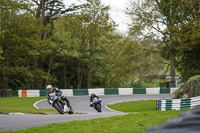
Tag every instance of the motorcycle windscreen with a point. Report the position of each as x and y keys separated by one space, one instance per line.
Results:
x=53 y=96
x=95 y=100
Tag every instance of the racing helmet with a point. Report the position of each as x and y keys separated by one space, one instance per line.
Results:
x=92 y=94
x=49 y=88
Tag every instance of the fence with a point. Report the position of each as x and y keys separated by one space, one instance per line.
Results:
x=99 y=91
x=5 y=92
x=177 y=104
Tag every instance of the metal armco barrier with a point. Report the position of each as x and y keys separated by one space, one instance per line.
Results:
x=177 y=104
x=186 y=122
x=5 y=92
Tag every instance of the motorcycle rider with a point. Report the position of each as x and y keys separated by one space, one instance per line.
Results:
x=93 y=95
x=58 y=92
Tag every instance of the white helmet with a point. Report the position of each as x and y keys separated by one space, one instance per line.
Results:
x=49 y=88
x=92 y=94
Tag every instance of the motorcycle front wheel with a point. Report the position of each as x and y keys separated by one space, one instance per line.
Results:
x=98 y=107
x=56 y=106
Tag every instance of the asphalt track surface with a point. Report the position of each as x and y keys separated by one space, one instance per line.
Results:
x=80 y=104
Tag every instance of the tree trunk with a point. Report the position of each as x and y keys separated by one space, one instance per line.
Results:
x=69 y=81
x=80 y=77
x=49 y=70
x=173 y=73
x=35 y=83
x=64 y=76
x=88 y=80
x=43 y=12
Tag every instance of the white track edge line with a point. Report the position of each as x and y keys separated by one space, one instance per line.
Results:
x=37 y=103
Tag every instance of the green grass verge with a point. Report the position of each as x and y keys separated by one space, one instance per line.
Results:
x=131 y=123
x=23 y=105
x=135 y=106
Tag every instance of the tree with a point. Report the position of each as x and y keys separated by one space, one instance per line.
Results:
x=152 y=19
x=96 y=23
x=89 y=27
x=128 y=59
x=47 y=11
x=186 y=34
x=67 y=47
x=16 y=42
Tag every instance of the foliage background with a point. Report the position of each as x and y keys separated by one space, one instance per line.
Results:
x=44 y=42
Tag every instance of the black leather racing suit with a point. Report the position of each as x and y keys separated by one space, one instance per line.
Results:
x=91 y=97
x=58 y=93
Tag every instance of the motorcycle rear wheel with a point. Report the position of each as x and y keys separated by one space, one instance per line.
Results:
x=71 y=110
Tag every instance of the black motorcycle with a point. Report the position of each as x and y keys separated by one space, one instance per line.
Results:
x=60 y=105
x=96 y=104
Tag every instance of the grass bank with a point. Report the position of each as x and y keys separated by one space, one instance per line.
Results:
x=23 y=105
x=135 y=106
x=131 y=123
